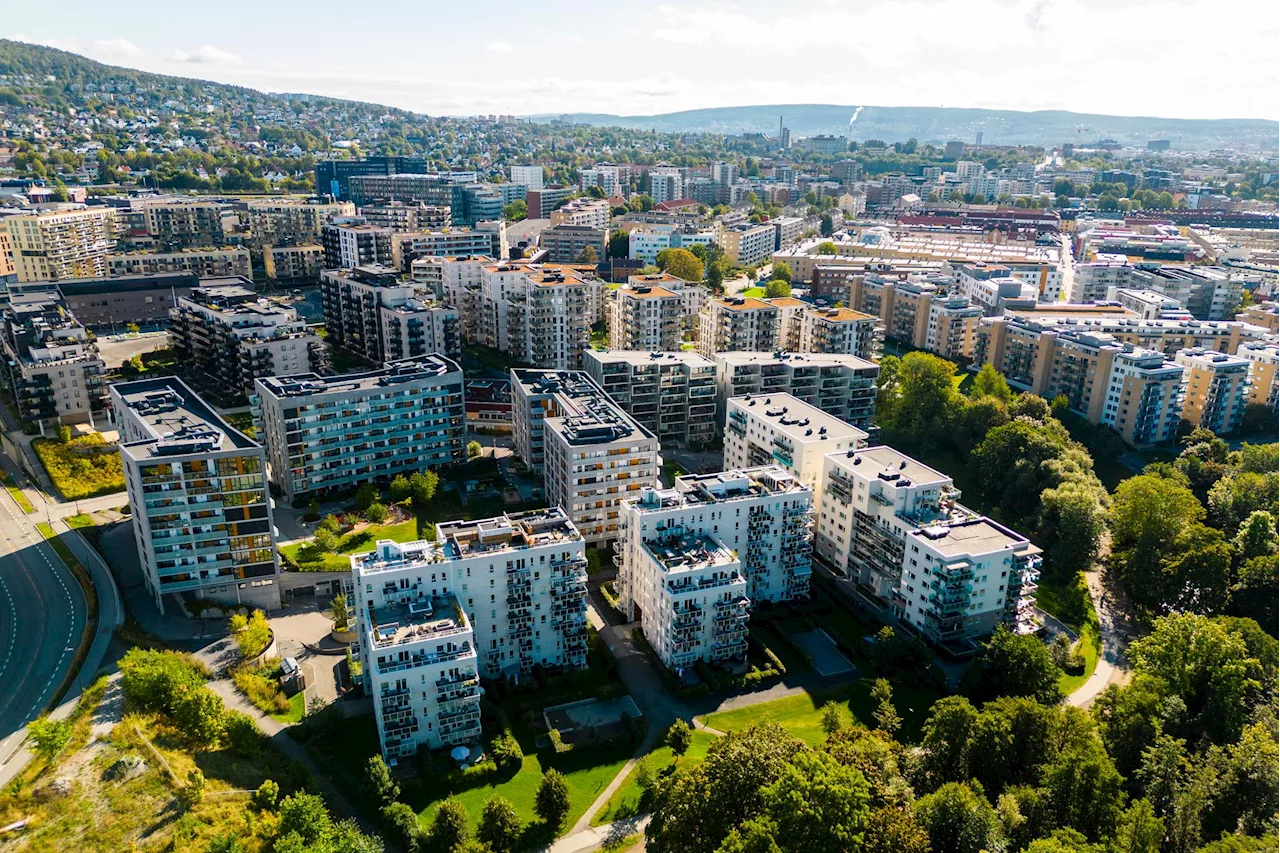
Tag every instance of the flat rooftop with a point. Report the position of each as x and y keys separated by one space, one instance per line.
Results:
x=429 y=618
x=974 y=538
x=180 y=422
x=456 y=540
x=689 y=552
x=706 y=489
x=587 y=415
x=735 y=358
x=640 y=357
x=892 y=466
x=797 y=419
x=740 y=303
x=394 y=373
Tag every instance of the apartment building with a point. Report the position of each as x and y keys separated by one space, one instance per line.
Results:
x=1217 y=389
x=1092 y=281
x=50 y=245
x=486 y=239
x=187 y=224
x=671 y=394
x=538 y=314
x=369 y=311
x=231 y=336
x=1145 y=394
x=994 y=288
x=731 y=323
x=780 y=429
x=566 y=244
x=529 y=176
x=542 y=200
x=607 y=178
x=747 y=245
x=1208 y=293
x=591 y=453
x=694 y=558
x=407 y=216
x=461 y=286
x=1264 y=314
x=496 y=596
x=349 y=244
x=331 y=434
x=206 y=263
x=648 y=313
x=51 y=366
x=292 y=222
x=1148 y=304
x=665 y=184
x=584 y=212
x=298 y=264
x=1263 y=361
x=646 y=241
x=198 y=488
x=832 y=330
x=895 y=527
x=840 y=385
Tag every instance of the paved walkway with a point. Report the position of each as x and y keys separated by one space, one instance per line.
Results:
x=1112 y=666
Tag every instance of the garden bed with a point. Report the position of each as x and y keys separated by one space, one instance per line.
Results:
x=82 y=467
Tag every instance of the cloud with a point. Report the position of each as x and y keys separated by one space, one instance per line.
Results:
x=121 y=47
x=499 y=47
x=207 y=55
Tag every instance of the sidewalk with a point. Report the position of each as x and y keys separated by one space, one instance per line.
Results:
x=1112 y=666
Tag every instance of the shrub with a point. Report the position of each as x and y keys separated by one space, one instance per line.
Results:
x=402 y=825
x=155 y=680
x=81 y=467
x=49 y=736
x=242 y=734
x=506 y=752
x=254 y=634
x=557 y=742
x=266 y=795
x=201 y=715
x=679 y=737
x=190 y=794
x=376 y=513
x=260 y=687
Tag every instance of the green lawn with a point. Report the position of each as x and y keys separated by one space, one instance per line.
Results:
x=297 y=710
x=1074 y=608
x=76 y=522
x=352 y=543
x=18 y=496
x=625 y=801
x=802 y=714
x=755 y=292
x=670 y=470
x=1089 y=648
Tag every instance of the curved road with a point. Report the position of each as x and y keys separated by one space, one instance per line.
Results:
x=42 y=617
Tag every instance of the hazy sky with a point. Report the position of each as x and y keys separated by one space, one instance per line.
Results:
x=1193 y=59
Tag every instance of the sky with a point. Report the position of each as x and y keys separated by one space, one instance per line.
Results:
x=1176 y=59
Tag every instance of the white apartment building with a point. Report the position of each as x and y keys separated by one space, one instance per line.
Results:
x=351 y=243
x=833 y=330
x=605 y=177
x=779 y=429
x=732 y=323
x=672 y=394
x=538 y=314
x=529 y=176
x=840 y=385
x=994 y=288
x=665 y=184
x=692 y=559
x=51 y=245
x=198 y=488
x=495 y=596
x=894 y=526
x=591 y=453
x=1264 y=358
x=1148 y=304
x=1091 y=282
x=746 y=245
x=461 y=284
x=646 y=241
x=334 y=433
x=584 y=212
x=647 y=313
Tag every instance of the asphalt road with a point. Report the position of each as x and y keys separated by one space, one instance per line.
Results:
x=42 y=617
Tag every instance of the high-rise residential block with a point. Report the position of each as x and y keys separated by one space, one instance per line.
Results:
x=840 y=385
x=198 y=489
x=187 y=223
x=1217 y=389
x=529 y=176
x=566 y=244
x=297 y=264
x=50 y=364
x=49 y=245
x=738 y=323
x=746 y=245
x=349 y=244
x=334 y=433
x=407 y=216
x=647 y=313
x=1263 y=360
x=371 y=312
x=292 y=222
x=1145 y=395
x=494 y=597
x=672 y=394
x=232 y=336
x=206 y=263
x=778 y=429
x=591 y=453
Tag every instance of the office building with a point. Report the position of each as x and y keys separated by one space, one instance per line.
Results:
x=331 y=434
x=349 y=244
x=230 y=336
x=529 y=176
x=541 y=201
x=497 y=596
x=780 y=429
x=840 y=385
x=292 y=222
x=333 y=176
x=671 y=394
x=895 y=527
x=693 y=559
x=51 y=245
x=591 y=453
x=198 y=489
x=51 y=365
x=566 y=244
x=1217 y=389
x=297 y=264
x=205 y=263
x=372 y=313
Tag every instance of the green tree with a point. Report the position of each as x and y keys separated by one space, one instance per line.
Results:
x=818 y=805
x=515 y=211
x=679 y=737
x=378 y=780
x=499 y=825
x=305 y=815
x=451 y=827
x=781 y=272
x=1257 y=590
x=366 y=495
x=835 y=716
x=826 y=225
x=192 y=791
x=619 y=244
x=991 y=383
x=826 y=247
x=403 y=825
x=1139 y=831
x=893 y=829
x=680 y=263
x=266 y=796
x=338 y=612
x=1084 y=791
x=49 y=737
x=474 y=450
x=400 y=489
x=551 y=801
x=777 y=289
x=1017 y=665
x=923 y=398
x=587 y=256
x=1130 y=718
x=376 y=512
x=201 y=715
x=424 y=485
x=946 y=737
x=886 y=716
x=325 y=541
x=958 y=820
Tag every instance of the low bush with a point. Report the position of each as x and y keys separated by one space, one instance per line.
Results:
x=260 y=687
x=82 y=467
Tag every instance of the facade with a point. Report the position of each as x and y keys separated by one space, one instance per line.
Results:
x=186 y=224
x=198 y=488
x=1144 y=397
x=529 y=176
x=333 y=176
x=840 y=385
x=289 y=222
x=591 y=453
x=349 y=244
x=369 y=311
x=299 y=264
x=648 y=313
x=487 y=238
x=1217 y=389
x=738 y=323
x=584 y=212
x=895 y=528
x=646 y=241
x=539 y=314
x=780 y=429
x=542 y=200
x=402 y=216
x=832 y=330
x=51 y=366
x=493 y=597
x=566 y=243
x=113 y=302
x=229 y=334
x=747 y=245
x=1263 y=361
x=671 y=394
x=55 y=244
x=206 y=263
x=326 y=434
x=693 y=559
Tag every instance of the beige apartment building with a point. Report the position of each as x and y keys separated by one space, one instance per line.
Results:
x=1217 y=389
x=289 y=222
x=738 y=323
x=175 y=225
x=51 y=245
x=293 y=264
x=1263 y=359
x=645 y=315
x=206 y=263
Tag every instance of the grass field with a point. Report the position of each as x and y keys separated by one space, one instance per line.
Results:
x=1091 y=640
x=802 y=714
x=625 y=801
x=351 y=543
x=753 y=292
x=18 y=496
x=297 y=710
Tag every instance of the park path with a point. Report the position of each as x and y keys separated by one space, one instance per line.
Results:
x=1112 y=666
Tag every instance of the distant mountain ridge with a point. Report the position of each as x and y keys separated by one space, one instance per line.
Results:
x=939 y=124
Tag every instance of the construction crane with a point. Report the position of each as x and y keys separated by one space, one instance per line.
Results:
x=1081 y=128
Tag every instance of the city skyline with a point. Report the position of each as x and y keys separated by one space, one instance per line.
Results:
x=706 y=54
